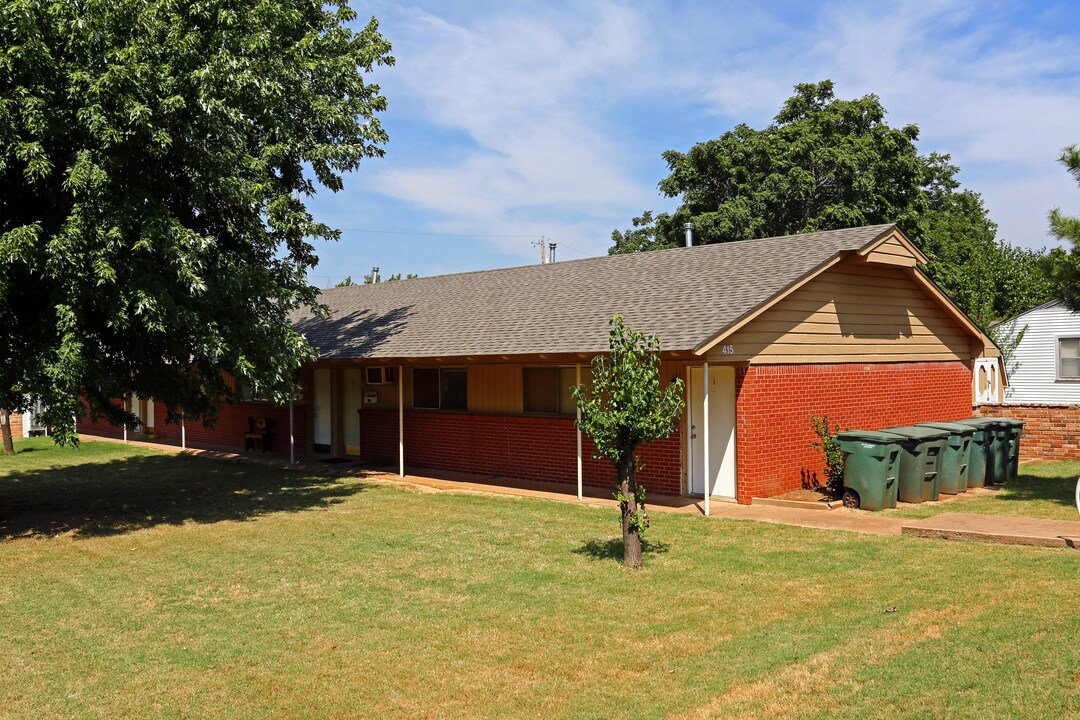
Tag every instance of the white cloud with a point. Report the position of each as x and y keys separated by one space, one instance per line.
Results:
x=528 y=90
x=535 y=99
x=1002 y=102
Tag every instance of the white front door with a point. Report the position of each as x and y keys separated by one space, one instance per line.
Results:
x=321 y=410
x=721 y=431
x=144 y=411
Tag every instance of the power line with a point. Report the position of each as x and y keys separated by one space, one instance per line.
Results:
x=571 y=247
x=435 y=234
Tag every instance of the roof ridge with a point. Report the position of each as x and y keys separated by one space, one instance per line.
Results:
x=595 y=258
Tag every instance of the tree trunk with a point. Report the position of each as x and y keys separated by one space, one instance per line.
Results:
x=628 y=488
x=5 y=429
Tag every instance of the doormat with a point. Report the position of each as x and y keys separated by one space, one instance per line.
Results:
x=335 y=461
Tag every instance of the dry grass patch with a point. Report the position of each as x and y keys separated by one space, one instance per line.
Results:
x=205 y=588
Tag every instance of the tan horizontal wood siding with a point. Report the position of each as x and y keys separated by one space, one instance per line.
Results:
x=892 y=252
x=16 y=420
x=854 y=312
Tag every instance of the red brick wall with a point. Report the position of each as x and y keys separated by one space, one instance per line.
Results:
x=528 y=448
x=775 y=402
x=232 y=423
x=85 y=425
x=1051 y=432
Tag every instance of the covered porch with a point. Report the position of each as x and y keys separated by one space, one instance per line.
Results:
x=512 y=420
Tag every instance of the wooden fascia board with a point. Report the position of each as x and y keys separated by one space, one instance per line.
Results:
x=952 y=308
x=582 y=358
x=897 y=234
x=710 y=342
x=561 y=358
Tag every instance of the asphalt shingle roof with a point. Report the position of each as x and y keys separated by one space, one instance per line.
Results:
x=685 y=295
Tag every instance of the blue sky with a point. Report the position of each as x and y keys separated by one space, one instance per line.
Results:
x=514 y=120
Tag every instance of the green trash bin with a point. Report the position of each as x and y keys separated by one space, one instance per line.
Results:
x=920 y=454
x=871 y=464
x=956 y=458
x=1016 y=429
x=996 y=447
x=980 y=447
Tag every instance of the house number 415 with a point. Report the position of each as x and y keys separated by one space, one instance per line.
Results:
x=727 y=349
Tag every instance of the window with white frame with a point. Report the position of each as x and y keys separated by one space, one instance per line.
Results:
x=441 y=388
x=549 y=389
x=1068 y=358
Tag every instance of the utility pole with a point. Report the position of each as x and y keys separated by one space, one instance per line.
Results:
x=543 y=249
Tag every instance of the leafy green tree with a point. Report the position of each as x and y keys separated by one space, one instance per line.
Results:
x=826 y=163
x=347 y=282
x=1064 y=265
x=155 y=159
x=625 y=407
x=987 y=277
x=646 y=233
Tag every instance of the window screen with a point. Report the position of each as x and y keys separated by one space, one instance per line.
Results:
x=249 y=392
x=550 y=389
x=426 y=388
x=567 y=380
x=1069 y=358
x=454 y=389
x=541 y=389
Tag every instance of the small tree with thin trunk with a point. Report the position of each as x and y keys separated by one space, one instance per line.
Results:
x=627 y=406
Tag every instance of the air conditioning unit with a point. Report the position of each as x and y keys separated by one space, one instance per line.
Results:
x=379 y=376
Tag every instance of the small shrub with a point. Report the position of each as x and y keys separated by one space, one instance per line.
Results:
x=834 y=457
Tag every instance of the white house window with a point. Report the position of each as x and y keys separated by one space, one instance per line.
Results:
x=549 y=389
x=1069 y=358
x=440 y=388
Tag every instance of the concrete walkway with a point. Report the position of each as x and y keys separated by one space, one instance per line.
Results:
x=997 y=529
x=833 y=520
x=949 y=525
x=438 y=480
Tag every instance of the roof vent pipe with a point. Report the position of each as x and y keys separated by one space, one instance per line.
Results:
x=689 y=228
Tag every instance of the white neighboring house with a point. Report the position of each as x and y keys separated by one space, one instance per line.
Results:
x=1045 y=365
x=30 y=423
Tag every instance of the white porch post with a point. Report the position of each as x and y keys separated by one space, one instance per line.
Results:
x=705 y=423
x=401 y=420
x=183 y=434
x=292 y=434
x=577 y=368
x=127 y=406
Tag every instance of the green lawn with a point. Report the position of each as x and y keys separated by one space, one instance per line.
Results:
x=142 y=585
x=1042 y=490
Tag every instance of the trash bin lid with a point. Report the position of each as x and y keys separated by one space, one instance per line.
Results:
x=980 y=422
x=1006 y=421
x=915 y=432
x=958 y=428
x=867 y=436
